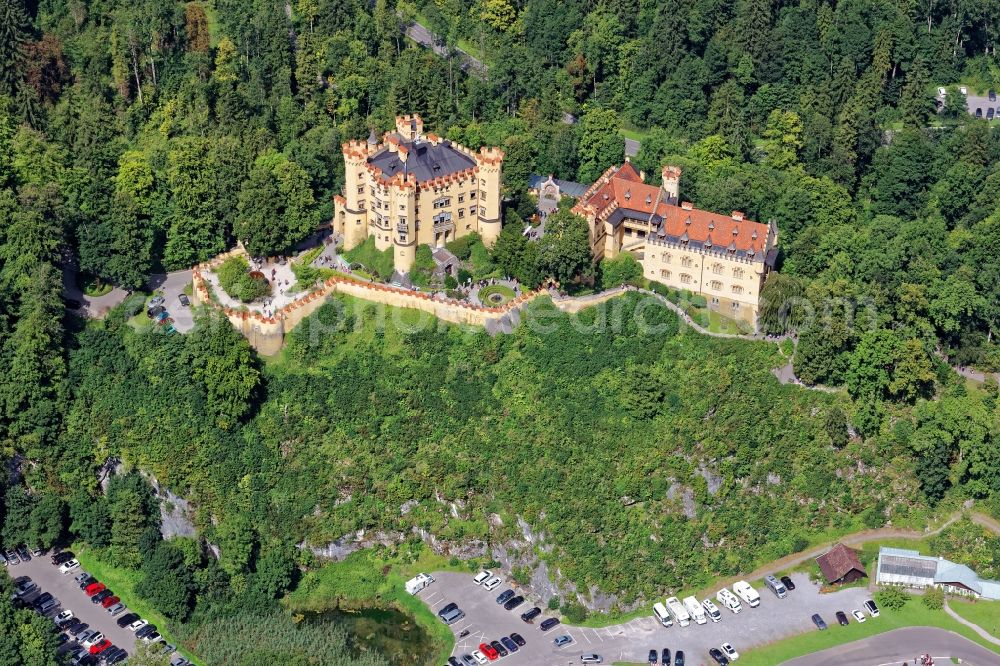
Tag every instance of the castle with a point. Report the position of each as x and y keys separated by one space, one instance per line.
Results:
x=725 y=258
x=413 y=189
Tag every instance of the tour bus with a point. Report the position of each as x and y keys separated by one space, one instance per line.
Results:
x=660 y=611
x=677 y=610
x=746 y=592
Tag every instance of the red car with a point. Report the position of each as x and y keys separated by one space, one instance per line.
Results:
x=94 y=588
x=98 y=648
x=110 y=601
x=488 y=650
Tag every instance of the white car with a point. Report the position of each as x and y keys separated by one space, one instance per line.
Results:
x=858 y=615
x=492 y=583
x=66 y=567
x=93 y=639
x=730 y=651
x=479 y=657
x=481 y=577
x=63 y=616
x=137 y=625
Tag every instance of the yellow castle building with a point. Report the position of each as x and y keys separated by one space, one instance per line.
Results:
x=412 y=189
x=725 y=258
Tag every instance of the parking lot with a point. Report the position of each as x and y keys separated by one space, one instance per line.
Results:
x=631 y=641
x=48 y=579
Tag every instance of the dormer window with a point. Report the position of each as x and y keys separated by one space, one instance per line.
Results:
x=628 y=195
x=649 y=199
x=711 y=226
x=750 y=252
x=688 y=221
x=708 y=242
x=736 y=231
x=754 y=234
x=732 y=248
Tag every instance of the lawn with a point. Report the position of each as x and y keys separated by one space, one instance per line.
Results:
x=984 y=613
x=913 y=614
x=123 y=582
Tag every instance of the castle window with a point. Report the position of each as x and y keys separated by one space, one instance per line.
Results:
x=482 y=182
x=361 y=189
x=664 y=273
x=686 y=262
x=482 y=211
x=716 y=285
x=738 y=273
x=461 y=198
x=685 y=278
x=472 y=194
x=461 y=212
x=667 y=257
x=737 y=289
x=442 y=202
x=717 y=269
x=736 y=306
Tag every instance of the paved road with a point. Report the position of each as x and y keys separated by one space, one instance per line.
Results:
x=48 y=579
x=424 y=37
x=172 y=285
x=772 y=620
x=900 y=646
x=93 y=307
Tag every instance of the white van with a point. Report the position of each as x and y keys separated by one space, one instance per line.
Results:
x=418 y=582
x=729 y=600
x=695 y=610
x=660 y=611
x=745 y=591
x=714 y=614
x=776 y=586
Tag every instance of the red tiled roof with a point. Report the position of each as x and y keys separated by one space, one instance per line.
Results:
x=838 y=562
x=625 y=188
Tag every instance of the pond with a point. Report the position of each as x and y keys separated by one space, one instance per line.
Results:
x=390 y=632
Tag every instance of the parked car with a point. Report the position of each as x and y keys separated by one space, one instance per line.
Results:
x=42 y=598
x=63 y=616
x=79 y=629
x=482 y=577
x=530 y=615
x=492 y=583
x=137 y=625
x=118 y=655
x=730 y=651
x=80 y=577
x=517 y=638
x=468 y=660
x=116 y=609
x=488 y=650
x=66 y=625
x=479 y=657
x=24 y=587
x=101 y=596
x=720 y=659
x=871 y=608
x=548 y=623
x=23 y=553
x=452 y=661
x=818 y=621
x=92 y=639
x=68 y=566
x=562 y=640
x=679 y=658
x=94 y=588
x=665 y=657
x=49 y=605
x=98 y=648
x=992 y=95
x=498 y=646
x=127 y=619
x=592 y=658
x=652 y=656
x=787 y=581
x=447 y=609
x=64 y=556
x=508 y=643
x=12 y=558
x=155 y=311
x=156 y=300
x=185 y=301
x=110 y=601
x=145 y=630
x=511 y=604
x=152 y=637
x=842 y=618
x=504 y=596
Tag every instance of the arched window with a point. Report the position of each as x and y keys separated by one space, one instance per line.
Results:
x=716 y=285
x=685 y=278
x=717 y=269
x=738 y=273
x=686 y=262
x=737 y=289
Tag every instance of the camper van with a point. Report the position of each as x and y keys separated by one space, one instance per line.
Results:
x=677 y=610
x=746 y=592
x=662 y=616
x=714 y=614
x=776 y=586
x=729 y=600
x=418 y=582
x=695 y=610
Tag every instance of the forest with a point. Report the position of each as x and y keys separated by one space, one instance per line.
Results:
x=141 y=137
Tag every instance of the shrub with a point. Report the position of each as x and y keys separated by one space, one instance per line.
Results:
x=379 y=263
x=698 y=301
x=934 y=598
x=891 y=597
x=553 y=603
x=463 y=276
x=573 y=612
x=235 y=280
x=462 y=247
x=623 y=269
x=450 y=282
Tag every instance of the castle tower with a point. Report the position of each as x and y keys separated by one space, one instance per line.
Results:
x=410 y=127
x=490 y=163
x=672 y=184
x=404 y=224
x=351 y=218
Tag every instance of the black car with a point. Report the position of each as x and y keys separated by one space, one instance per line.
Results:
x=548 y=623
x=498 y=646
x=155 y=310
x=454 y=662
x=89 y=660
x=679 y=658
x=530 y=615
x=127 y=619
x=665 y=657
x=68 y=624
x=509 y=644
x=447 y=609
x=101 y=596
x=842 y=618
x=61 y=638
x=62 y=558
x=24 y=554
x=787 y=582
x=818 y=621
x=720 y=659
x=513 y=603
x=652 y=656
x=41 y=599
x=89 y=580
x=993 y=95
x=517 y=638
x=504 y=596
x=185 y=301
x=147 y=630
x=121 y=655
x=79 y=629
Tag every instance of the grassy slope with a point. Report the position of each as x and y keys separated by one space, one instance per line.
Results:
x=123 y=582
x=984 y=613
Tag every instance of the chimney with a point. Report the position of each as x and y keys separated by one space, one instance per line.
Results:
x=672 y=183
x=687 y=205
x=738 y=215
x=642 y=176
